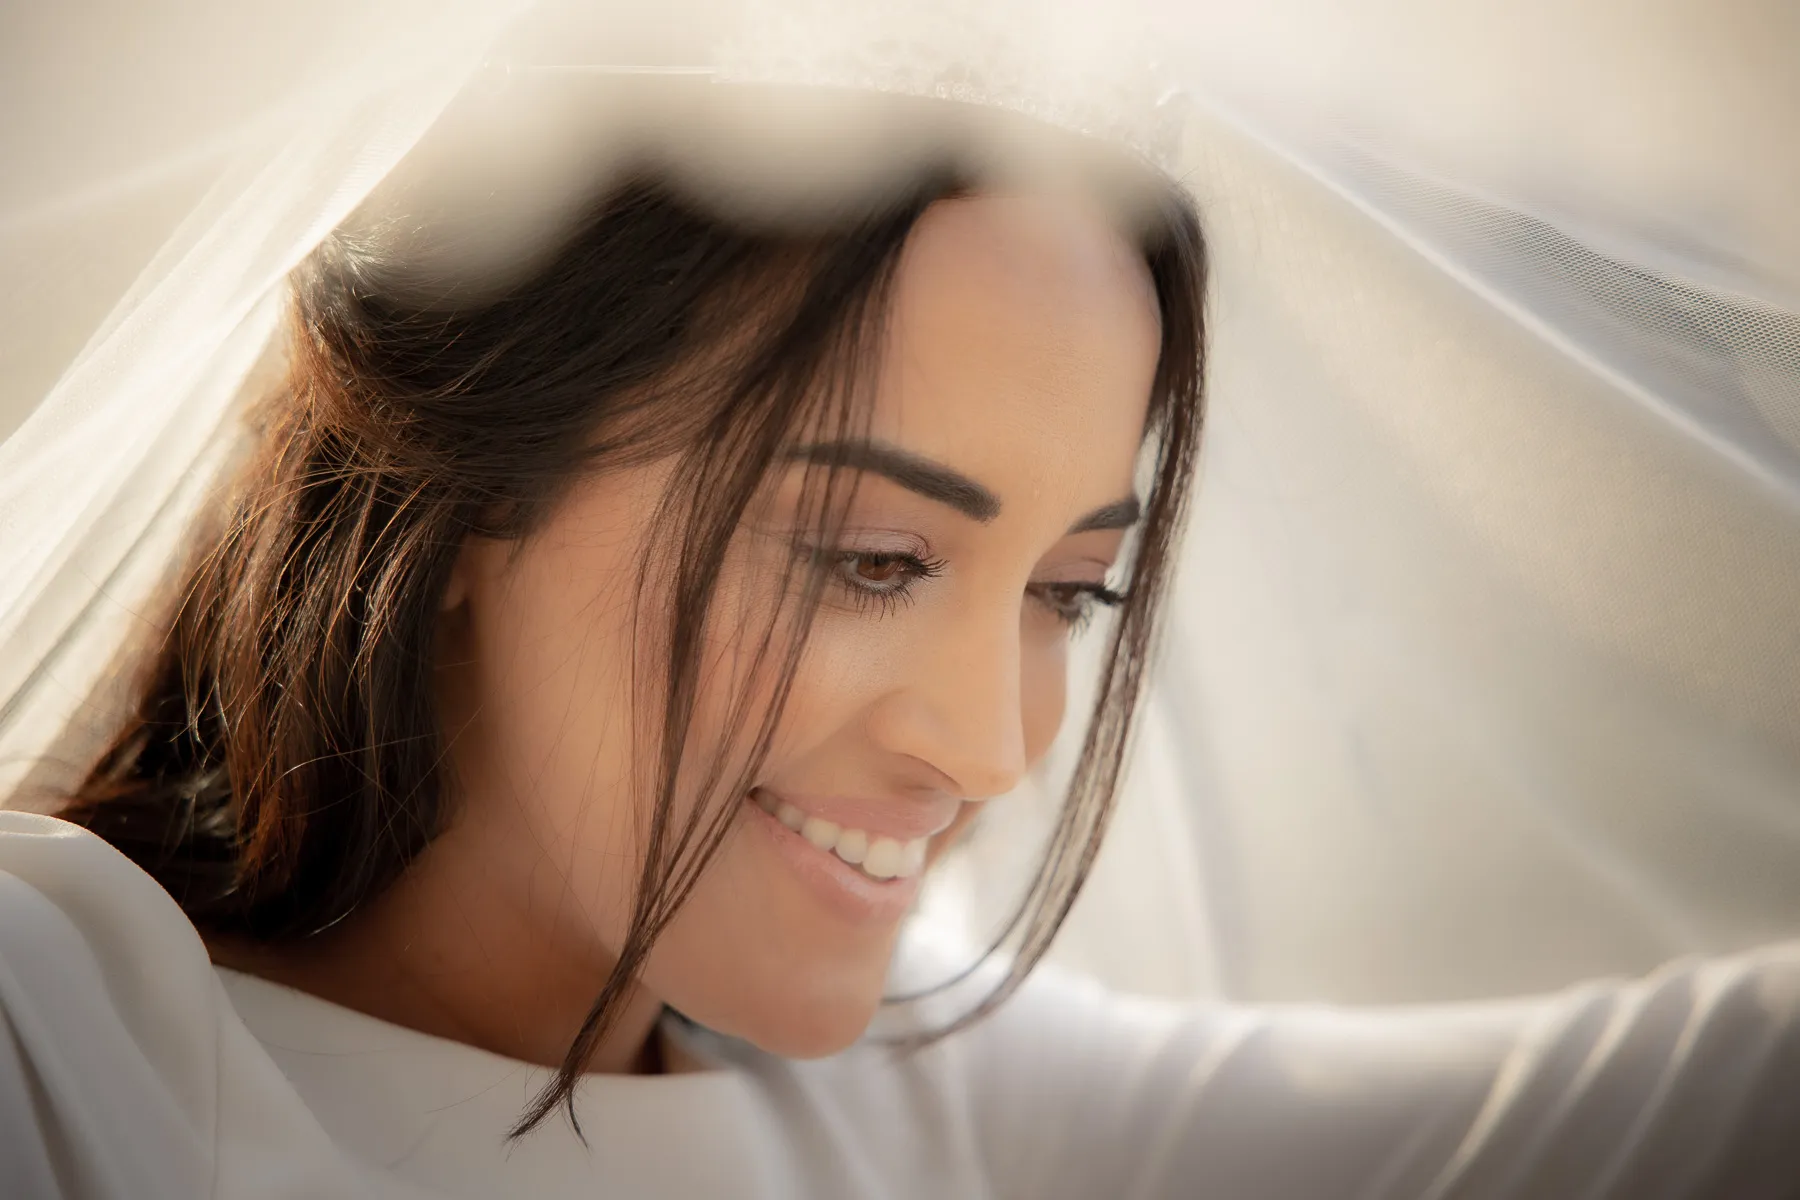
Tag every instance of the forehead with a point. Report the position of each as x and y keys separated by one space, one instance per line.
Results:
x=1022 y=348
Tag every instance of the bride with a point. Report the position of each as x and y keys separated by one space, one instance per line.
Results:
x=546 y=734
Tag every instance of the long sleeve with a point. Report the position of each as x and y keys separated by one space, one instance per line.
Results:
x=1683 y=1084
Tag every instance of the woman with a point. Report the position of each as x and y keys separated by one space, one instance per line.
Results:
x=626 y=638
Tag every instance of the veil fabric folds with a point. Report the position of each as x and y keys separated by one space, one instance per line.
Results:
x=1481 y=673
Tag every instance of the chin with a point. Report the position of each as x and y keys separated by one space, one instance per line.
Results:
x=783 y=1004
x=756 y=956
x=810 y=1034
x=806 y=1011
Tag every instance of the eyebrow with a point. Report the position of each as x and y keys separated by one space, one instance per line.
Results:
x=1120 y=514
x=946 y=485
x=933 y=480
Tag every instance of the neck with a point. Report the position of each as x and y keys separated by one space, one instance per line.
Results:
x=468 y=955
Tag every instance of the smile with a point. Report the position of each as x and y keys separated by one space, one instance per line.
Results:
x=880 y=858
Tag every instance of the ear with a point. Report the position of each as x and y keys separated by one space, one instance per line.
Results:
x=456 y=589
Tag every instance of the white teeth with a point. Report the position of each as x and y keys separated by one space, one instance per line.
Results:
x=884 y=858
x=852 y=846
x=879 y=857
x=820 y=832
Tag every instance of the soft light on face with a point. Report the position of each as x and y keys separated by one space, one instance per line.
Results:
x=990 y=498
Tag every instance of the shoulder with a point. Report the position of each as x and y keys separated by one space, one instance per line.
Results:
x=85 y=935
x=111 y=1006
x=122 y=1059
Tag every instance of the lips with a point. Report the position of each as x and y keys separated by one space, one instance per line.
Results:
x=848 y=891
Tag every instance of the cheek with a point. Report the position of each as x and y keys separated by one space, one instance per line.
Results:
x=750 y=954
x=552 y=653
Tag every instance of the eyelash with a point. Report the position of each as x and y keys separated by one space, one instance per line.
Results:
x=1073 y=604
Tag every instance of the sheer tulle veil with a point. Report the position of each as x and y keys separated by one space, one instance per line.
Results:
x=1481 y=671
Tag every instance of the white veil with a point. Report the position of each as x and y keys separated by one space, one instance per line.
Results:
x=1481 y=675
x=1484 y=676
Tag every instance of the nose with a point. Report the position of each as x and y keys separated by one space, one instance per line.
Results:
x=959 y=709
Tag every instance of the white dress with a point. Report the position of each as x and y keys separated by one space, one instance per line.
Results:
x=131 y=1068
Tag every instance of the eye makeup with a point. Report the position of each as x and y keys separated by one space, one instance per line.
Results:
x=888 y=579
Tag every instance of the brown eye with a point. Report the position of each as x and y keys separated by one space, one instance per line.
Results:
x=1074 y=603
x=879 y=577
x=878 y=570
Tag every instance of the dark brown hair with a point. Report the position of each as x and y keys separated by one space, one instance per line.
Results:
x=283 y=762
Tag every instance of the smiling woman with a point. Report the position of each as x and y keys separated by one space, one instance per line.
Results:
x=595 y=653
x=637 y=639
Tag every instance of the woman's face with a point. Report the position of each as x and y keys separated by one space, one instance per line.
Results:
x=991 y=499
